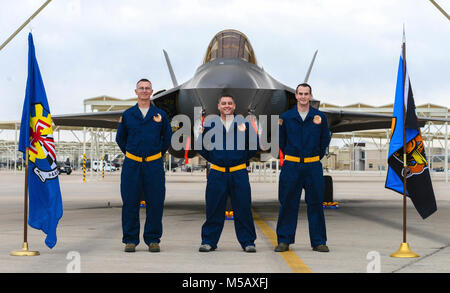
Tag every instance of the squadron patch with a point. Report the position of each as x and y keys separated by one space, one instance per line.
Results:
x=42 y=146
x=242 y=127
x=157 y=118
x=317 y=119
x=280 y=122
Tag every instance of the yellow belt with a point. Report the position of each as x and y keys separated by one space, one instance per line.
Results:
x=141 y=159
x=302 y=160
x=229 y=169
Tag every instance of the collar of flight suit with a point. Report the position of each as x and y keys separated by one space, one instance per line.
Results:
x=218 y=119
x=138 y=114
x=311 y=113
x=223 y=123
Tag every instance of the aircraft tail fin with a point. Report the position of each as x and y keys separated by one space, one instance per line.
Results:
x=169 y=65
x=310 y=67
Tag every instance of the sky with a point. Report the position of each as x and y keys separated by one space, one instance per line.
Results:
x=89 y=48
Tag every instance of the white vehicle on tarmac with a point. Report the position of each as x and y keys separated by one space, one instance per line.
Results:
x=97 y=166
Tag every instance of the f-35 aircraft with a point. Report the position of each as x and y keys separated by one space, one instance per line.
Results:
x=230 y=66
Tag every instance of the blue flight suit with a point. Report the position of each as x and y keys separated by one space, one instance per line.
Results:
x=236 y=184
x=303 y=139
x=143 y=137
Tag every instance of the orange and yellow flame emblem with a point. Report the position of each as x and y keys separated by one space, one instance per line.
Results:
x=415 y=156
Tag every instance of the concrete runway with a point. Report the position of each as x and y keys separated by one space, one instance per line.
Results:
x=367 y=224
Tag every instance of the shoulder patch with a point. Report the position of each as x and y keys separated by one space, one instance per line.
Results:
x=242 y=127
x=120 y=119
x=280 y=121
x=157 y=118
x=317 y=119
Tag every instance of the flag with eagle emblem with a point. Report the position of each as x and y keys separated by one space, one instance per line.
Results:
x=36 y=134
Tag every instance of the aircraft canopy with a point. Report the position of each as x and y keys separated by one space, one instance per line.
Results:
x=230 y=44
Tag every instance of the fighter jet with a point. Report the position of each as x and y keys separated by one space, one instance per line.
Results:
x=230 y=66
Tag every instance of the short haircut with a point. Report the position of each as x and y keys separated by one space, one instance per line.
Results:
x=225 y=95
x=143 y=79
x=304 y=85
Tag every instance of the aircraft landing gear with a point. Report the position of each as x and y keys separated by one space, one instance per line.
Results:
x=328 y=194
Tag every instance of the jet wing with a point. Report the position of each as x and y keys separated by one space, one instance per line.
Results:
x=94 y=119
x=346 y=121
x=163 y=99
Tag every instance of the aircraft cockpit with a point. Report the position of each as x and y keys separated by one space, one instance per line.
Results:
x=230 y=44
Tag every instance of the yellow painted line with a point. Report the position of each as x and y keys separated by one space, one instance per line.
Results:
x=295 y=263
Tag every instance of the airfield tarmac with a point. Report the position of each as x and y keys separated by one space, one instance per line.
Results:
x=367 y=224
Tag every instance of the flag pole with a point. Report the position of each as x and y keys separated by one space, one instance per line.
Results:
x=24 y=24
x=25 y=251
x=404 y=250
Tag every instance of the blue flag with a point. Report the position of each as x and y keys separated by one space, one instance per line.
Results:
x=36 y=134
x=418 y=180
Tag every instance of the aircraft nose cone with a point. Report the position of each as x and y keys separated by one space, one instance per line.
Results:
x=223 y=74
